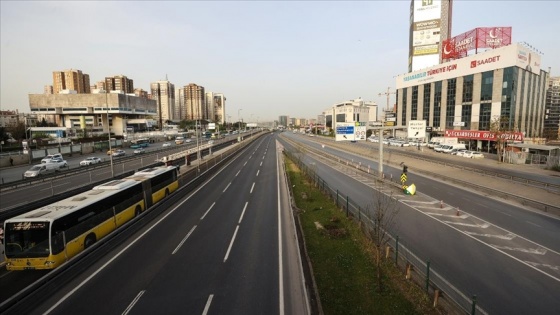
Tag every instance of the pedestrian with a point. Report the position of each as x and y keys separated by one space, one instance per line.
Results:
x=11 y=161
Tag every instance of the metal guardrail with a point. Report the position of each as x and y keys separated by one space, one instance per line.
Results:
x=542 y=206
x=534 y=183
x=404 y=258
x=26 y=300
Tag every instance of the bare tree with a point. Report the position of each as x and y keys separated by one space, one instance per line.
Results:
x=499 y=126
x=382 y=212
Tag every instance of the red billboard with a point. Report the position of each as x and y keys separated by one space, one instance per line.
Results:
x=483 y=135
x=480 y=37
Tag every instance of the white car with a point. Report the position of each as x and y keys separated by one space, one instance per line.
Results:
x=166 y=144
x=139 y=151
x=58 y=162
x=51 y=156
x=90 y=160
x=477 y=155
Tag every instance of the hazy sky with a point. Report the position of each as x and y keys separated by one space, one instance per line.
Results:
x=269 y=58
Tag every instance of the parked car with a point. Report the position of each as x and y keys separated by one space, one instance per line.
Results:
x=51 y=156
x=90 y=160
x=166 y=144
x=139 y=151
x=119 y=153
x=111 y=151
x=477 y=155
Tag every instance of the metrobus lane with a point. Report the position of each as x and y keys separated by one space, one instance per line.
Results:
x=177 y=258
x=472 y=254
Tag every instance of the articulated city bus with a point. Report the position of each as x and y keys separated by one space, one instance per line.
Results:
x=47 y=237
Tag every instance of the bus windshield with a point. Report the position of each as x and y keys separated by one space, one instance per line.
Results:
x=27 y=239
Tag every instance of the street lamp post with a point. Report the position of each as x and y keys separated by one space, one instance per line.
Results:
x=109 y=132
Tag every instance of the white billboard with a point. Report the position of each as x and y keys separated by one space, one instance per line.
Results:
x=426 y=29
x=499 y=58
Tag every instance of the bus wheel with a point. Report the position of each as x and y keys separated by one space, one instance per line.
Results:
x=138 y=210
x=90 y=240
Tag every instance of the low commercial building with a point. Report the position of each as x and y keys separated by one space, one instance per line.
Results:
x=93 y=111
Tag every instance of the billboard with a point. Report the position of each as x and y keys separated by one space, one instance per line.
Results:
x=426 y=29
x=499 y=58
x=481 y=37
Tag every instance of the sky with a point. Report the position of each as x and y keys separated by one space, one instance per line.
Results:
x=269 y=58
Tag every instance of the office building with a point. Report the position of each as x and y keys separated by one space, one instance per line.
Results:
x=119 y=83
x=551 y=129
x=194 y=102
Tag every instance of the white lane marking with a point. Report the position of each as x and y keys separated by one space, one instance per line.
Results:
x=244 y=163
x=243 y=212
x=252 y=188
x=207 y=307
x=508 y=237
x=536 y=251
x=231 y=243
x=509 y=215
x=258 y=172
x=280 y=258
x=226 y=187
x=183 y=241
x=260 y=164
x=237 y=173
x=67 y=295
x=131 y=305
x=205 y=213
x=263 y=156
x=533 y=223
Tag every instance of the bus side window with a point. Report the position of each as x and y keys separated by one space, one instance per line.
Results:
x=57 y=242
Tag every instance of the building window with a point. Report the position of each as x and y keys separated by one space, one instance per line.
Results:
x=484 y=117
x=403 y=108
x=450 y=107
x=437 y=104
x=426 y=106
x=414 y=104
x=508 y=106
x=486 y=87
x=466 y=112
x=467 y=89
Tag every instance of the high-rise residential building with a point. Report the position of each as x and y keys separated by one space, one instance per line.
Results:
x=551 y=129
x=214 y=108
x=180 y=107
x=194 y=102
x=119 y=83
x=141 y=93
x=164 y=94
x=100 y=85
x=283 y=121
x=48 y=89
x=430 y=24
x=73 y=80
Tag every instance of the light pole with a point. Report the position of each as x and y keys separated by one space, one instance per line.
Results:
x=109 y=132
x=239 y=119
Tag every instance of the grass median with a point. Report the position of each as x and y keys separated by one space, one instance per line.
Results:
x=343 y=262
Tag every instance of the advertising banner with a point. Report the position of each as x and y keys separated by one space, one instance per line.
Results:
x=483 y=135
x=480 y=37
x=426 y=29
x=499 y=58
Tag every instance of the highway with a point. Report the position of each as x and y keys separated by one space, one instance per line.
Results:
x=506 y=255
x=227 y=247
